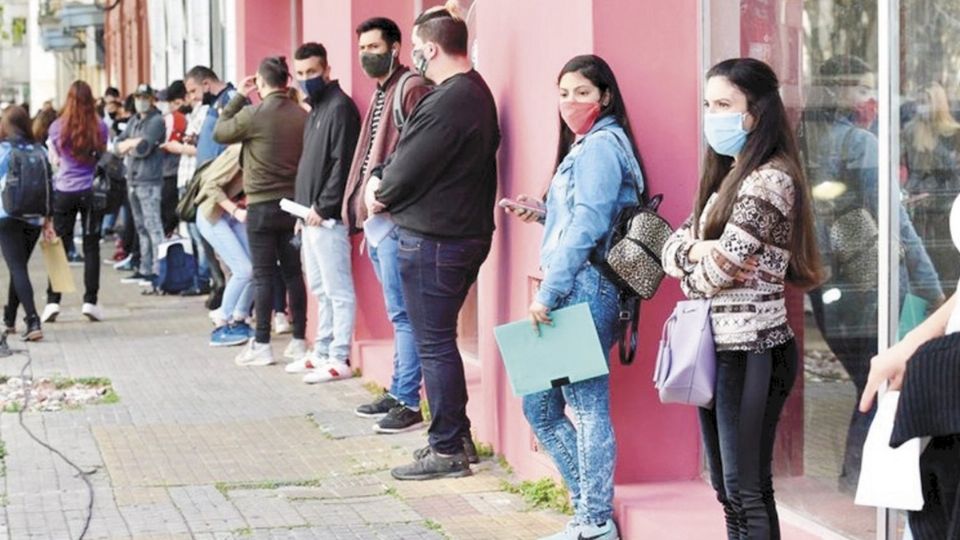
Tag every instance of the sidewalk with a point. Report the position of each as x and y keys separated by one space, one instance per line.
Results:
x=197 y=447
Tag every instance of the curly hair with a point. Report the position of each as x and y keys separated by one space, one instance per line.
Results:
x=80 y=130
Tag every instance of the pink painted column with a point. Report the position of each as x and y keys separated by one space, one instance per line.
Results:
x=264 y=28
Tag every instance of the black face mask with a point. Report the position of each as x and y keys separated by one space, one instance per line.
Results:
x=377 y=65
x=113 y=115
x=185 y=109
x=209 y=98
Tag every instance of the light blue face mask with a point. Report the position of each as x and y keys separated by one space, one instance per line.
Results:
x=725 y=133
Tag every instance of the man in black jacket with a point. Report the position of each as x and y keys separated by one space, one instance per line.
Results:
x=329 y=140
x=439 y=187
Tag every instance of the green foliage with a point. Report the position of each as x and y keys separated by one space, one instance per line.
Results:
x=542 y=494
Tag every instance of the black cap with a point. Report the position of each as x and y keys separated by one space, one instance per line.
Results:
x=144 y=90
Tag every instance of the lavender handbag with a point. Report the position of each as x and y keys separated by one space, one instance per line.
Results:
x=686 y=369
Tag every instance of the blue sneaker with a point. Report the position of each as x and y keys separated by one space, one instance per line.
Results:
x=242 y=329
x=224 y=337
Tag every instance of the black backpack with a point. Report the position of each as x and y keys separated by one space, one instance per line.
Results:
x=109 y=183
x=27 y=187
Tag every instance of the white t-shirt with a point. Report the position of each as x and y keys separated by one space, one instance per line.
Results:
x=954 y=324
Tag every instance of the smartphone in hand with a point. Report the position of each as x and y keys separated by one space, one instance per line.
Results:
x=517 y=206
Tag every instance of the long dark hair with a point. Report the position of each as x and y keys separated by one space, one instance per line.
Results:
x=598 y=72
x=80 y=133
x=770 y=141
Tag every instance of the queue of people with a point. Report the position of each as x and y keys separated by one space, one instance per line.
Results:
x=420 y=163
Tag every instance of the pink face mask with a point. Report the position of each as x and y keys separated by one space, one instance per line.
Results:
x=579 y=117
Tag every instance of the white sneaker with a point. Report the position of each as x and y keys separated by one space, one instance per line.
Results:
x=281 y=325
x=334 y=370
x=255 y=354
x=50 y=313
x=93 y=312
x=306 y=364
x=296 y=350
x=574 y=531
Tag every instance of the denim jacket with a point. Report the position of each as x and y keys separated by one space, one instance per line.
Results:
x=591 y=185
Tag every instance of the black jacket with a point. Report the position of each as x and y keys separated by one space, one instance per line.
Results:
x=329 y=141
x=442 y=178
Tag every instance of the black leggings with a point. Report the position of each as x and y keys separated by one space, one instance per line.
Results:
x=66 y=206
x=17 y=240
x=739 y=432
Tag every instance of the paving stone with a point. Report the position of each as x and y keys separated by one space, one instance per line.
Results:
x=438 y=506
x=269 y=512
x=206 y=510
x=327 y=512
x=507 y=526
x=495 y=502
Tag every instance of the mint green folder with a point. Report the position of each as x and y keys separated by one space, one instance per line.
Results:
x=566 y=352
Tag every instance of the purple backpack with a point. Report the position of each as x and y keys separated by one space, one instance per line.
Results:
x=686 y=369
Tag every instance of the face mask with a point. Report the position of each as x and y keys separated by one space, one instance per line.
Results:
x=377 y=65
x=865 y=113
x=208 y=98
x=420 y=62
x=185 y=109
x=313 y=87
x=725 y=133
x=142 y=105
x=579 y=117
x=163 y=107
x=112 y=115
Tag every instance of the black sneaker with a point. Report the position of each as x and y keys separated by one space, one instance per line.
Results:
x=469 y=450
x=433 y=466
x=378 y=408
x=33 y=331
x=400 y=418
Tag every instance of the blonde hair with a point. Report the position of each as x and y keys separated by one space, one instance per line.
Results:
x=940 y=122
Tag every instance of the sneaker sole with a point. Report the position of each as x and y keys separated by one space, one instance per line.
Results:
x=52 y=318
x=256 y=363
x=369 y=415
x=33 y=336
x=392 y=431
x=434 y=476
x=229 y=343
x=91 y=317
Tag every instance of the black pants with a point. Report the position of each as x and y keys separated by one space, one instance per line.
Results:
x=437 y=275
x=66 y=206
x=854 y=354
x=739 y=432
x=169 y=197
x=940 y=478
x=17 y=240
x=270 y=230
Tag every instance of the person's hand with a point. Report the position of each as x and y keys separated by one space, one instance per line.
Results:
x=889 y=365
x=527 y=216
x=240 y=214
x=249 y=84
x=49 y=234
x=370 y=197
x=313 y=219
x=701 y=249
x=747 y=273
x=539 y=314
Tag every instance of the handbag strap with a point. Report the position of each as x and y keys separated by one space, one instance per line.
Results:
x=629 y=320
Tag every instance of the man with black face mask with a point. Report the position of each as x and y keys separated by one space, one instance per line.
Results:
x=329 y=140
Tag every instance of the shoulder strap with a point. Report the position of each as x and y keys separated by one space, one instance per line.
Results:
x=642 y=198
x=399 y=118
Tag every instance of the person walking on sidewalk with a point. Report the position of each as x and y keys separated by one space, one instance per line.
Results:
x=18 y=236
x=379 y=43
x=329 y=141
x=140 y=144
x=272 y=137
x=440 y=188
x=751 y=232
x=599 y=172
x=77 y=140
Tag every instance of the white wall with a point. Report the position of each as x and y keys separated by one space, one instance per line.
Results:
x=43 y=65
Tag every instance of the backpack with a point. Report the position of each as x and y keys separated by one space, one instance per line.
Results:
x=178 y=267
x=27 y=186
x=399 y=118
x=109 y=184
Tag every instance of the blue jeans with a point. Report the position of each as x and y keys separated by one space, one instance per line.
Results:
x=229 y=238
x=145 y=209
x=585 y=455
x=405 y=386
x=437 y=274
x=327 y=265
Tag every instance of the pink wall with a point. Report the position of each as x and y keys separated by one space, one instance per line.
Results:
x=656 y=66
x=254 y=41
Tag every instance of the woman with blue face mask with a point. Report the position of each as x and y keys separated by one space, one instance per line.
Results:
x=598 y=174
x=751 y=231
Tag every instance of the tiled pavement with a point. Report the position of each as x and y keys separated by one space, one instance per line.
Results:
x=200 y=448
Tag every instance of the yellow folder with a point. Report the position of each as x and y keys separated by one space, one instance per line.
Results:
x=55 y=259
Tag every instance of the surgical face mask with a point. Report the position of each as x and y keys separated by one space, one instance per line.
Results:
x=313 y=87
x=420 y=62
x=725 y=132
x=163 y=107
x=580 y=117
x=377 y=65
x=142 y=105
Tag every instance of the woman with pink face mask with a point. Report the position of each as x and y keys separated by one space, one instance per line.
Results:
x=598 y=173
